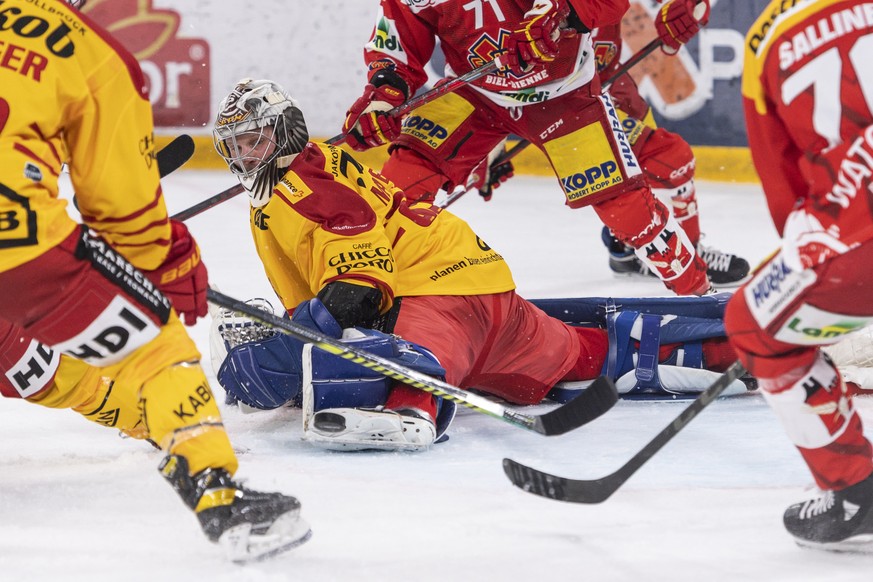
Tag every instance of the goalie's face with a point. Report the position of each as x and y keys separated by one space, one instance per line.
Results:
x=247 y=152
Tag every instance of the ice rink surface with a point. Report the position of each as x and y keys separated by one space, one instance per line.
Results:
x=79 y=503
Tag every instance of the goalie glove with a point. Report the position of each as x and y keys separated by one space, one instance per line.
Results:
x=536 y=40
x=182 y=277
x=678 y=21
x=368 y=123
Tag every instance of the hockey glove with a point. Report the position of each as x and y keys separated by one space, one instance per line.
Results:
x=183 y=277
x=489 y=175
x=368 y=123
x=678 y=21
x=536 y=40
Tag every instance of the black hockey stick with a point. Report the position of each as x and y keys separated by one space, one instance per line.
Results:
x=592 y=403
x=170 y=158
x=599 y=490
x=175 y=154
x=205 y=205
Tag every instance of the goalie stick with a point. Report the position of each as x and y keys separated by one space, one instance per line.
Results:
x=599 y=490
x=596 y=400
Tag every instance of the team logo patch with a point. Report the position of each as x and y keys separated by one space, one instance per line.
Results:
x=112 y=336
x=35 y=370
x=813 y=326
x=604 y=54
x=773 y=288
x=32 y=172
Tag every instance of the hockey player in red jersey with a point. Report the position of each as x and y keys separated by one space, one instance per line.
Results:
x=549 y=94
x=808 y=96
x=343 y=248
x=106 y=295
x=665 y=158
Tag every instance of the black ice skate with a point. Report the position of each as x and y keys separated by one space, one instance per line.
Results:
x=249 y=525
x=840 y=521
x=724 y=269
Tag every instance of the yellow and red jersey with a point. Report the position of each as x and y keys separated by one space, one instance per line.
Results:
x=808 y=99
x=333 y=219
x=71 y=94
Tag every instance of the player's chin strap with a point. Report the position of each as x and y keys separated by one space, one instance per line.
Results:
x=592 y=403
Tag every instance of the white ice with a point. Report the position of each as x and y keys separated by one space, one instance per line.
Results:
x=79 y=503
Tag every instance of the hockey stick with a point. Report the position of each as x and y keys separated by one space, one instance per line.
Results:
x=435 y=93
x=175 y=154
x=592 y=403
x=205 y=205
x=598 y=490
x=170 y=158
x=523 y=143
x=418 y=101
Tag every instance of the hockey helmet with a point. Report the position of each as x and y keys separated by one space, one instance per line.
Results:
x=258 y=131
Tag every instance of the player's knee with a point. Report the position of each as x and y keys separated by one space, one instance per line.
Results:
x=667 y=160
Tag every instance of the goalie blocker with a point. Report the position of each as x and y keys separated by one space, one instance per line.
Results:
x=343 y=402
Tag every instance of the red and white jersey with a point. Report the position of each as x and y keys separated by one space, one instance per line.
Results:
x=472 y=33
x=808 y=98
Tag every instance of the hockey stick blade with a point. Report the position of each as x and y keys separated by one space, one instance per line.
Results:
x=599 y=396
x=596 y=400
x=175 y=154
x=599 y=490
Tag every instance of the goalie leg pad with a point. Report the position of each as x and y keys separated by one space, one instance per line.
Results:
x=357 y=429
x=340 y=393
x=634 y=357
x=263 y=374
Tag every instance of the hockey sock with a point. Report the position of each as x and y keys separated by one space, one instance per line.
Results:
x=402 y=396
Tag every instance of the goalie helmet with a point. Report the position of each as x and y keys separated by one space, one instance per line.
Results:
x=78 y=4
x=258 y=131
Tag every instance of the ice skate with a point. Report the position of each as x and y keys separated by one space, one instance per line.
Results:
x=357 y=429
x=724 y=269
x=839 y=521
x=249 y=525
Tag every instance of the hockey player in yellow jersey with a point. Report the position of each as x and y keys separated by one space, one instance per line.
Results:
x=343 y=248
x=107 y=292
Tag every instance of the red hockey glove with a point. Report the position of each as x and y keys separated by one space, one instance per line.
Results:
x=182 y=277
x=368 y=124
x=536 y=41
x=489 y=175
x=678 y=21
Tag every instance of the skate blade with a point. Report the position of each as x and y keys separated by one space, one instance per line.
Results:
x=862 y=544
x=241 y=546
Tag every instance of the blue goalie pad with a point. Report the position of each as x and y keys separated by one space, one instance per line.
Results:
x=340 y=383
x=592 y=311
x=636 y=330
x=266 y=374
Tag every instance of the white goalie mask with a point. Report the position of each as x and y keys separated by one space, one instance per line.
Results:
x=77 y=3
x=258 y=131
